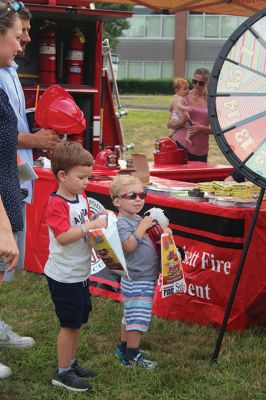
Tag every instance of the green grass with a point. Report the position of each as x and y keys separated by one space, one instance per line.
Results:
x=183 y=352
x=143 y=127
x=145 y=100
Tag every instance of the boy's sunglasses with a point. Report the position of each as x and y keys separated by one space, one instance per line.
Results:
x=132 y=196
x=201 y=83
x=11 y=7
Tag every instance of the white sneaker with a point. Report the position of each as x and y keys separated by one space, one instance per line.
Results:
x=8 y=338
x=5 y=372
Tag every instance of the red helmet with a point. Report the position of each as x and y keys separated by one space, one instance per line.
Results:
x=57 y=110
x=106 y=159
x=166 y=152
x=165 y=144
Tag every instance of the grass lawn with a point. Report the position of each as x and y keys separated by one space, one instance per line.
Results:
x=182 y=350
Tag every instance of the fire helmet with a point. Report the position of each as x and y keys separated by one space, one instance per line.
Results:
x=57 y=110
x=106 y=159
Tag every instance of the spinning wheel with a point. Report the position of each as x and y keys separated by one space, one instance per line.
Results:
x=237 y=99
x=237 y=111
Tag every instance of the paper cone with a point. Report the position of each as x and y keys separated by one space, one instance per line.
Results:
x=106 y=242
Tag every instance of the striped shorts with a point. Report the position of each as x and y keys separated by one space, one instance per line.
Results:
x=137 y=299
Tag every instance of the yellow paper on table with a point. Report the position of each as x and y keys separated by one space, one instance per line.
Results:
x=173 y=280
x=108 y=246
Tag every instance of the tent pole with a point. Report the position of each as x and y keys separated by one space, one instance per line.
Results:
x=237 y=278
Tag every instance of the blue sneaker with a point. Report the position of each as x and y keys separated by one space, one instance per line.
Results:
x=118 y=353
x=139 y=360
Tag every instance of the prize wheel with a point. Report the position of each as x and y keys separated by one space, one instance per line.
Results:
x=237 y=99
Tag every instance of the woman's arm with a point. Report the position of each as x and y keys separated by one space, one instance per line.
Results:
x=8 y=245
x=176 y=124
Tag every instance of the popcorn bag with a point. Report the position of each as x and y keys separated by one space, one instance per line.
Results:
x=172 y=280
x=107 y=244
x=161 y=221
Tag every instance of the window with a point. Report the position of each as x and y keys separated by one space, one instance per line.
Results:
x=137 y=27
x=167 y=70
x=122 y=70
x=151 y=70
x=153 y=26
x=195 y=26
x=145 y=70
x=228 y=26
x=212 y=26
x=168 y=28
x=135 y=70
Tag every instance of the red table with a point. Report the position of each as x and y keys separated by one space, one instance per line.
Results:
x=193 y=171
x=212 y=237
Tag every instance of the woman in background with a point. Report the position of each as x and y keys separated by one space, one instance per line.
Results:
x=10 y=35
x=199 y=129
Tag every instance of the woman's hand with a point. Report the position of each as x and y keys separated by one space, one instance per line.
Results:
x=8 y=246
x=198 y=128
x=8 y=249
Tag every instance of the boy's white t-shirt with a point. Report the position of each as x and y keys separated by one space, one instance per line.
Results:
x=69 y=263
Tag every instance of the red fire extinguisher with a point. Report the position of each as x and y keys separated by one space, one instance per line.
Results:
x=75 y=58
x=47 y=54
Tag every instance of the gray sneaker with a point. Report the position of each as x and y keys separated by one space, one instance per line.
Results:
x=70 y=381
x=83 y=372
x=5 y=371
x=8 y=338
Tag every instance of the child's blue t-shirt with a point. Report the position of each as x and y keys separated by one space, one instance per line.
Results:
x=143 y=263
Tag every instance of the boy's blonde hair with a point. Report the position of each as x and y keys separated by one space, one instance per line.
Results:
x=120 y=181
x=179 y=83
x=67 y=155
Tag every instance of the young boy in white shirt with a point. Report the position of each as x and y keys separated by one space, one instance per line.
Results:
x=68 y=266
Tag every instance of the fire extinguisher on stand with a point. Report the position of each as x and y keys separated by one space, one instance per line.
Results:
x=75 y=58
x=47 y=53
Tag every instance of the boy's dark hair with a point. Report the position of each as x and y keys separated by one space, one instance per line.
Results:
x=67 y=155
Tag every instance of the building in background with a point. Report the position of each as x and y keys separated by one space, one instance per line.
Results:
x=163 y=46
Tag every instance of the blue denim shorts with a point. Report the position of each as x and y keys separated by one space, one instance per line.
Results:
x=71 y=301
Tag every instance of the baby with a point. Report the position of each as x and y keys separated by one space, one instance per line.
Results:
x=179 y=105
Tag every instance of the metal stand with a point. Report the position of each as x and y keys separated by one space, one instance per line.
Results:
x=237 y=278
x=119 y=111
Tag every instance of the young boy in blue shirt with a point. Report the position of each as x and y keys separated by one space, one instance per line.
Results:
x=143 y=264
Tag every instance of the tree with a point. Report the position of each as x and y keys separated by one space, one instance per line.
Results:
x=112 y=29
